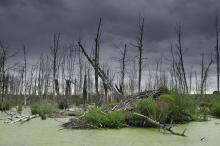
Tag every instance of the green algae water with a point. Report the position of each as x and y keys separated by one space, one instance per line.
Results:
x=48 y=132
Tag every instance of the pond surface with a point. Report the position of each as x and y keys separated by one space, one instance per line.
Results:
x=47 y=133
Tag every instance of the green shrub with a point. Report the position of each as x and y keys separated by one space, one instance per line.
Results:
x=42 y=109
x=182 y=110
x=146 y=107
x=167 y=98
x=215 y=108
x=203 y=112
x=114 y=120
x=109 y=120
x=164 y=90
x=204 y=104
x=4 y=106
x=95 y=116
x=162 y=111
x=133 y=120
x=63 y=104
x=156 y=110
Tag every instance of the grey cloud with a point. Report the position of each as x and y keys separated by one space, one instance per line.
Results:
x=34 y=21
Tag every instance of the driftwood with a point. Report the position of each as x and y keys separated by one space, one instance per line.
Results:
x=161 y=126
x=22 y=119
x=126 y=104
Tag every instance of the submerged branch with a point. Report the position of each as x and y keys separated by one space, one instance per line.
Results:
x=159 y=125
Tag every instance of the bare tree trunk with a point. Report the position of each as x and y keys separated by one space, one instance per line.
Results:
x=196 y=82
x=102 y=74
x=97 y=49
x=4 y=57
x=89 y=85
x=140 y=47
x=54 y=51
x=80 y=71
x=25 y=76
x=217 y=51
x=204 y=73
x=85 y=90
x=180 y=66
x=124 y=56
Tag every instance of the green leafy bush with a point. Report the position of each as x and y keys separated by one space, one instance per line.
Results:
x=4 y=106
x=182 y=110
x=167 y=98
x=95 y=116
x=162 y=111
x=157 y=110
x=146 y=107
x=42 y=109
x=133 y=120
x=63 y=104
x=203 y=113
x=114 y=120
x=164 y=90
x=204 y=104
x=109 y=120
x=215 y=108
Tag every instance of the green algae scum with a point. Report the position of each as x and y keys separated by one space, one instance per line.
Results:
x=48 y=132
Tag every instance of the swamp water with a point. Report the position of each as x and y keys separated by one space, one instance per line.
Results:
x=39 y=132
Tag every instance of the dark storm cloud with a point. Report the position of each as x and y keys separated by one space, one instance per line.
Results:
x=34 y=21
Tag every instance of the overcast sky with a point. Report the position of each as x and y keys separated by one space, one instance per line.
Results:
x=33 y=23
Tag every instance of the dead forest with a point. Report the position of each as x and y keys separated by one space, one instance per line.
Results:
x=74 y=71
x=135 y=94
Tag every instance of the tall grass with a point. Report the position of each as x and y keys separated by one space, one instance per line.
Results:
x=157 y=110
x=97 y=118
x=182 y=109
x=43 y=109
x=4 y=106
x=215 y=108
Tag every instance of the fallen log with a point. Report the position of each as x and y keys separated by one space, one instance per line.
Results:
x=126 y=103
x=161 y=126
x=22 y=119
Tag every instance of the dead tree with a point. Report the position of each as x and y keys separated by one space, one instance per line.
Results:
x=55 y=50
x=196 y=83
x=25 y=75
x=40 y=77
x=139 y=45
x=4 y=67
x=70 y=70
x=132 y=77
x=85 y=93
x=123 y=60
x=180 y=63
x=96 y=60
x=123 y=68
x=89 y=86
x=80 y=70
x=46 y=75
x=190 y=80
x=204 y=73
x=173 y=68
x=217 y=50
x=102 y=74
